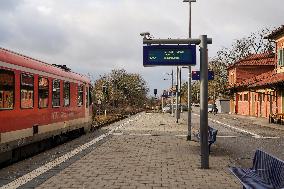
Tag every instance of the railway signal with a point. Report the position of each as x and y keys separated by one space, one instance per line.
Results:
x=155 y=92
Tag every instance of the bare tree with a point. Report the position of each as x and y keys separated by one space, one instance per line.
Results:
x=119 y=89
x=241 y=48
x=255 y=43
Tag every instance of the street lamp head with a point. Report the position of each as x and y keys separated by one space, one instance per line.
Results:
x=167 y=74
x=145 y=35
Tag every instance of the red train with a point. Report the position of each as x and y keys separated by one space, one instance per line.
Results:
x=39 y=101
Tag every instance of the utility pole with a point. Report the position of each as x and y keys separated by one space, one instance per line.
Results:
x=179 y=110
x=204 y=102
x=189 y=89
x=172 y=96
x=172 y=89
x=177 y=95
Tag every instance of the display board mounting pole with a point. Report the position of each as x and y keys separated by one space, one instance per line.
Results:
x=202 y=42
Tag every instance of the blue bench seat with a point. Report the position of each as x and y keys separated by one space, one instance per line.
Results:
x=267 y=172
x=212 y=136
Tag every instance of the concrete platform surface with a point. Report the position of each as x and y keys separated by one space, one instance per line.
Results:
x=149 y=152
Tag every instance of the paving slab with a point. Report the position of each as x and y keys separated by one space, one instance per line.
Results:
x=150 y=152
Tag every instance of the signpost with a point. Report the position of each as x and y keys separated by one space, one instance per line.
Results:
x=169 y=55
x=196 y=75
x=172 y=58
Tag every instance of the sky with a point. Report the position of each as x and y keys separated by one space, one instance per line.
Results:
x=93 y=37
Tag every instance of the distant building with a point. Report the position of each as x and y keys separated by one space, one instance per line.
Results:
x=256 y=82
x=223 y=105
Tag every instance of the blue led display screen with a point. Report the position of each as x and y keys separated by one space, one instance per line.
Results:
x=169 y=55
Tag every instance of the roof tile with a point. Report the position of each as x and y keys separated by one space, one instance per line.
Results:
x=265 y=59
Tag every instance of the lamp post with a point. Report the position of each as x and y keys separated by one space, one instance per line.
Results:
x=177 y=95
x=172 y=97
x=189 y=96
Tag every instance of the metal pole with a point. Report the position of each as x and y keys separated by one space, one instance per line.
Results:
x=179 y=109
x=174 y=41
x=162 y=102
x=204 y=103
x=189 y=100
x=189 y=27
x=176 y=111
x=172 y=96
x=189 y=90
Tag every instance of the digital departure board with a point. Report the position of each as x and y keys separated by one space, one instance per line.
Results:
x=169 y=55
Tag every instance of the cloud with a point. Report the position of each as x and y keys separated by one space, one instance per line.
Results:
x=9 y=5
x=96 y=36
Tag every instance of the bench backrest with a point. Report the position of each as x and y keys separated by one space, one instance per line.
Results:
x=269 y=168
x=212 y=133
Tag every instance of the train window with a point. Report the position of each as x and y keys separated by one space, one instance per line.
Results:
x=56 y=93
x=87 y=97
x=90 y=95
x=43 y=92
x=27 y=91
x=7 y=87
x=66 y=93
x=80 y=95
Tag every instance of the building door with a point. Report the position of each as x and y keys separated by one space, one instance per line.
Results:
x=260 y=104
x=237 y=104
x=282 y=99
x=252 y=104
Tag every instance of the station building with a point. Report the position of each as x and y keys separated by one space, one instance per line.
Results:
x=256 y=83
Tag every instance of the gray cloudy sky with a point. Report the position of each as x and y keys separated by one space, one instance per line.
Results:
x=96 y=36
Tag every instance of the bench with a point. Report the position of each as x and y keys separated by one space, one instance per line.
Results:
x=212 y=135
x=267 y=172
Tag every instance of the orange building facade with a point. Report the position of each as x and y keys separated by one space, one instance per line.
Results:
x=256 y=83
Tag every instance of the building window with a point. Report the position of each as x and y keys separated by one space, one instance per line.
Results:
x=240 y=97
x=273 y=96
x=259 y=97
x=246 y=97
x=80 y=95
x=43 y=91
x=56 y=93
x=27 y=91
x=66 y=93
x=7 y=88
x=280 y=57
x=263 y=97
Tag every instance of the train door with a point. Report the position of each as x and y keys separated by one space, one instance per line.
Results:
x=1 y=99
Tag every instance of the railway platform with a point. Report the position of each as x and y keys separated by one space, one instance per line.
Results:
x=148 y=150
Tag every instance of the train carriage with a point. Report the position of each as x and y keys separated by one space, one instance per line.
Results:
x=39 y=101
